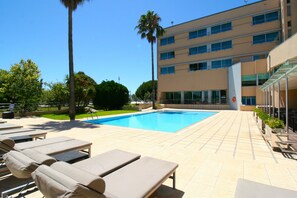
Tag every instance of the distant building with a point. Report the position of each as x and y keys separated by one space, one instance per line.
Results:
x=221 y=61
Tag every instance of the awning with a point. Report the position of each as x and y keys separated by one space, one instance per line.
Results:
x=289 y=68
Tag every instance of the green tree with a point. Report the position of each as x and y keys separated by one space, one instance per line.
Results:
x=149 y=28
x=110 y=95
x=85 y=89
x=23 y=86
x=71 y=5
x=144 y=88
x=4 y=97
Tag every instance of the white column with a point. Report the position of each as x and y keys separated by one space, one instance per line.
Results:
x=269 y=101
x=273 y=100
x=182 y=97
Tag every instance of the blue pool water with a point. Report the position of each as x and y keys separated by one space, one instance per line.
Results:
x=166 y=121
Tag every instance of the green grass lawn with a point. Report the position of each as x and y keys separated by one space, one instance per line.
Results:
x=85 y=115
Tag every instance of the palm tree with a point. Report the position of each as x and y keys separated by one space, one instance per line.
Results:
x=71 y=5
x=149 y=28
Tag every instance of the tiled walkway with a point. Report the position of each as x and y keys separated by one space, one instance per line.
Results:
x=211 y=155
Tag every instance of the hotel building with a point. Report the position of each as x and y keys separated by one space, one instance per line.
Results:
x=222 y=61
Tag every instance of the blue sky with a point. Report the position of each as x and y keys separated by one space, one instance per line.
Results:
x=106 y=45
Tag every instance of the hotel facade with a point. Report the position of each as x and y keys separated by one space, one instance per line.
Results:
x=223 y=61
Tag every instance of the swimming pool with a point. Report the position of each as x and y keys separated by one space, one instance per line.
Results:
x=166 y=121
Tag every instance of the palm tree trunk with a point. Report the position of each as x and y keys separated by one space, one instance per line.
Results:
x=153 y=75
x=71 y=69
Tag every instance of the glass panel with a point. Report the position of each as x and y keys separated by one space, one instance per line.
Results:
x=258 y=19
x=188 y=97
x=193 y=35
x=215 y=97
x=193 y=67
x=226 y=63
x=259 y=39
x=272 y=37
x=193 y=51
x=171 y=55
x=223 y=96
x=171 y=70
x=171 y=40
x=215 y=46
x=163 y=56
x=201 y=32
x=216 y=64
x=215 y=29
x=227 y=45
x=197 y=96
x=248 y=80
x=164 y=70
x=202 y=49
x=226 y=27
x=271 y=16
x=163 y=42
x=202 y=66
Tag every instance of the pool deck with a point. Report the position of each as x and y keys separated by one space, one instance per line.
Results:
x=211 y=154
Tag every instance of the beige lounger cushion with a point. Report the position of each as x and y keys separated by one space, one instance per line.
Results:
x=6 y=143
x=22 y=164
x=64 y=180
x=138 y=179
x=107 y=162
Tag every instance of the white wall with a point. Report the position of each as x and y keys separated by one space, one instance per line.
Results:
x=234 y=85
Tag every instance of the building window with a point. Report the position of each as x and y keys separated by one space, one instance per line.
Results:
x=221 y=63
x=221 y=46
x=197 y=97
x=197 y=34
x=249 y=100
x=248 y=80
x=173 y=98
x=264 y=18
x=167 y=70
x=260 y=56
x=288 y=1
x=289 y=23
x=221 y=28
x=167 y=41
x=288 y=10
x=198 y=66
x=289 y=33
x=262 y=78
x=167 y=55
x=198 y=50
x=264 y=38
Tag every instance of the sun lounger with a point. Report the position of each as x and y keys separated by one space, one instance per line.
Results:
x=9 y=126
x=140 y=178
x=27 y=136
x=250 y=189
x=15 y=130
x=48 y=146
x=23 y=163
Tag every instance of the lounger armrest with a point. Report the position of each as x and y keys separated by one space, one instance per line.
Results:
x=61 y=179
x=6 y=143
x=22 y=164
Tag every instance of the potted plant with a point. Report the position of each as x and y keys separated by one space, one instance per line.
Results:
x=273 y=127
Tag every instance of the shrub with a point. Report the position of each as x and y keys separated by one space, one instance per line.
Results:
x=110 y=96
x=275 y=123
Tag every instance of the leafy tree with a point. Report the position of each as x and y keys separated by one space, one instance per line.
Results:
x=4 y=97
x=23 y=86
x=71 y=5
x=57 y=94
x=85 y=89
x=145 y=88
x=110 y=95
x=149 y=28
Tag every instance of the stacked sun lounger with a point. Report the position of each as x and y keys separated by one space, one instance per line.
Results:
x=112 y=174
